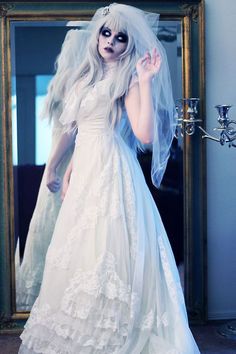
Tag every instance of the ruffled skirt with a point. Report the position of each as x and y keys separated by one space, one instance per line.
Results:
x=110 y=283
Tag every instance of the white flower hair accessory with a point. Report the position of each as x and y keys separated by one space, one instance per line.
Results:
x=106 y=10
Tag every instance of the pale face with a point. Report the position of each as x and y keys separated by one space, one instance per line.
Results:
x=111 y=44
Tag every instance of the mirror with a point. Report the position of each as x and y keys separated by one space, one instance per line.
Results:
x=32 y=142
x=34 y=42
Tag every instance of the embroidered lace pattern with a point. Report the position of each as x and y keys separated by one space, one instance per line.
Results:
x=103 y=279
x=103 y=200
x=94 y=313
x=174 y=286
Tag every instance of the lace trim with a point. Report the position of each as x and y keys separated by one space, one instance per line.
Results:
x=27 y=278
x=60 y=258
x=44 y=333
x=151 y=320
x=163 y=319
x=147 y=321
x=101 y=324
x=95 y=314
x=103 y=279
x=98 y=327
x=174 y=286
x=27 y=284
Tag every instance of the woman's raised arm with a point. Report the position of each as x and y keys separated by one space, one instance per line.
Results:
x=139 y=102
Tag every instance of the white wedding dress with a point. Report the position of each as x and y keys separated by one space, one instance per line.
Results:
x=110 y=282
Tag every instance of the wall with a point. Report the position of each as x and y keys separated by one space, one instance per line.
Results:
x=221 y=161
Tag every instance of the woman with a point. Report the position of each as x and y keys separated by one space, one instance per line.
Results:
x=110 y=282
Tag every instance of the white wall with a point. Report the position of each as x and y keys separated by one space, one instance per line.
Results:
x=221 y=161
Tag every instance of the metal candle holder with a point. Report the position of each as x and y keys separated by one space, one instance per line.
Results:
x=227 y=132
x=187 y=112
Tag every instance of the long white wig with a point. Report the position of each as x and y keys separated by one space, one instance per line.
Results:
x=65 y=65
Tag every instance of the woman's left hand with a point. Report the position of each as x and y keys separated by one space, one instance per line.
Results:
x=148 y=66
x=53 y=181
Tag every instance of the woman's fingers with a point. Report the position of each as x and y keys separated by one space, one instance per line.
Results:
x=149 y=64
x=143 y=59
x=53 y=187
x=53 y=183
x=156 y=58
x=152 y=58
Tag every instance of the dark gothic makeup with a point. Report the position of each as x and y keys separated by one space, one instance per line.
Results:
x=120 y=36
x=111 y=44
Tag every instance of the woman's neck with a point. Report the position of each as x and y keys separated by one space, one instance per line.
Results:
x=109 y=67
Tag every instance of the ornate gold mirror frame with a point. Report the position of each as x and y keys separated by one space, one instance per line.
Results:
x=191 y=16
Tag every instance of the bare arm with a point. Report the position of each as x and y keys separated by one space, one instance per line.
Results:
x=65 y=142
x=138 y=102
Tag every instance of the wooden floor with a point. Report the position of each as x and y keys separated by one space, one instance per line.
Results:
x=207 y=337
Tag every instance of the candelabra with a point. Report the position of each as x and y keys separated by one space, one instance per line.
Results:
x=227 y=132
x=187 y=113
x=187 y=117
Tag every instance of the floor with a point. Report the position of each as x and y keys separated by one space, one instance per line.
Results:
x=211 y=342
x=207 y=337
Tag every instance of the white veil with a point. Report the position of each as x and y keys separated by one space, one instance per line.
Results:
x=142 y=26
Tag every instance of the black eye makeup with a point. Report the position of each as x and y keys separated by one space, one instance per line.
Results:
x=105 y=32
x=120 y=37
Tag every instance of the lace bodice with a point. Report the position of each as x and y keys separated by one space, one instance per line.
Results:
x=91 y=114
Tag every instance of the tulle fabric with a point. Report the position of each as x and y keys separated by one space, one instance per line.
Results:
x=29 y=271
x=142 y=27
x=110 y=283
